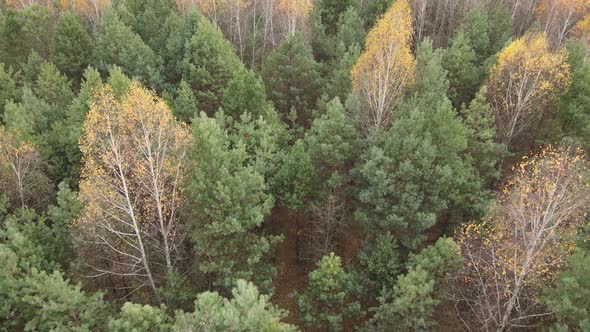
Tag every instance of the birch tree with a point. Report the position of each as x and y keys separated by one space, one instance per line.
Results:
x=21 y=172
x=89 y=9
x=294 y=13
x=439 y=19
x=133 y=167
x=524 y=243
x=386 y=68
x=560 y=17
x=526 y=79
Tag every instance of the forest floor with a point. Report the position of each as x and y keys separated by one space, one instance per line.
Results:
x=292 y=271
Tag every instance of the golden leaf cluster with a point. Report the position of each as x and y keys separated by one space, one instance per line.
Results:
x=527 y=77
x=531 y=229
x=386 y=66
x=133 y=156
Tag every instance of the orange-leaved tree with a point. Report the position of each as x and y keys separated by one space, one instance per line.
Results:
x=386 y=68
x=133 y=154
x=524 y=242
x=526 y=79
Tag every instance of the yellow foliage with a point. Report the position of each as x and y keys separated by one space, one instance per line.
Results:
x=21 y=176
x=531 y=229
x=526 y=78
x=131 y=148
x=212 y=8
x=298 y=8
x=386 y=67
x=582 y=30
x=132 y=180
x=548 y=6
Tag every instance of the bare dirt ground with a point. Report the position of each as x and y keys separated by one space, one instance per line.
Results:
x=292 y=273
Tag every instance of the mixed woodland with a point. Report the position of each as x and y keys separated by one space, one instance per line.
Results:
x=294 y=165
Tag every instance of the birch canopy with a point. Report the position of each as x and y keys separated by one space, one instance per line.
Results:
x=527 y=77
x=526 y=240
x=386 y=68
x=21 y=175
x=133 y=166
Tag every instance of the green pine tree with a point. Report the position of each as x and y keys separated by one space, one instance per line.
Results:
x=328 y=298
x=292 y=78
x=208 y=64
x=118 y=45
x=73 y=46
x=229 y=204
x=245 y=93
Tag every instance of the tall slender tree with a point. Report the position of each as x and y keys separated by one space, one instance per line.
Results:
x=133 y=170
x=386 y=67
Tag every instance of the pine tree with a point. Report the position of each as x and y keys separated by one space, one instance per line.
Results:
x=487 y=154
x=184 y=106
x=573 y=117
x=208 y=63
x=417 y=170
x=379 y=265
x=73 y=46
x=247 y=310
x=141 y=318
x=8 y=87
x=328 y=299
x=294 y=184
x=465 y=76
x=62 y=140
x=45 y=301
x=570 y=299
x=351 y=31
x=292 y=78
x=147 y=18
x=245 y=93
x=118 y=45
x=266 y=140
x=339 y=82
x=330 y=11
x=414 y=297
x=332 y=142
x=29 y=118
x=229 y=203
x=54 y=88
x=23 y=31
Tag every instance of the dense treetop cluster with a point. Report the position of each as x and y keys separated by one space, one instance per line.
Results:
x=286 y=165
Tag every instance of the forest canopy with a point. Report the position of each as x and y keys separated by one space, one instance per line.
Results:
x=294 y=165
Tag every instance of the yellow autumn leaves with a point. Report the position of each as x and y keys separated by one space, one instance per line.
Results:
x=531 y=228
x=134 y=167
x=132 y=144
x=386 y=68
x=526 y=79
